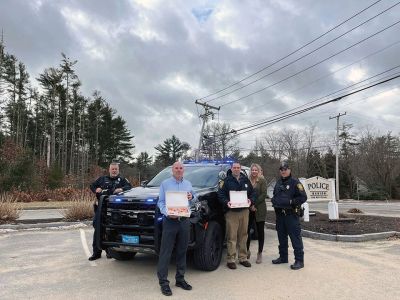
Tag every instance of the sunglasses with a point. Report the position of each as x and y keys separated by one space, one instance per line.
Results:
x=283 y=169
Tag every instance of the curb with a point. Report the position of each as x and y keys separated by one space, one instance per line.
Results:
x=39 y=221
x=45 y=224
x=342 y=238
x=43 y=207
x=48 y=223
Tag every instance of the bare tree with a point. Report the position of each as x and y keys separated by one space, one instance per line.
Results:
x=219 y=140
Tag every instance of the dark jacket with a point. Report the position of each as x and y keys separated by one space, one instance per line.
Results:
x=110 y=184
x=288 y=193
x=261 y=194
x=230 y=183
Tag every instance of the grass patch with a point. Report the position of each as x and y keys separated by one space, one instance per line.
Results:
x=80 y=208
x=10 y=210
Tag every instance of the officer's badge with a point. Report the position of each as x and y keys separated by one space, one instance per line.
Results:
x=221 y=184
x=300 y=187
x=288 y=187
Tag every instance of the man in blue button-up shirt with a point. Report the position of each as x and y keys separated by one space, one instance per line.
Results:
x=175 y=231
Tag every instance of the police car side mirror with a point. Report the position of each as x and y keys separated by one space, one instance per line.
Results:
x=222 y=175
x=144 y=183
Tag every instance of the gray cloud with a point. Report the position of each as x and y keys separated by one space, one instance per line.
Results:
x=152 y=59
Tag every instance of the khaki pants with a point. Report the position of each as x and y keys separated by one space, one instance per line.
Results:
x=236 y=233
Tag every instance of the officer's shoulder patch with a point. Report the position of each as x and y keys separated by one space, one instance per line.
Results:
x=221 y=184
x=300 y=187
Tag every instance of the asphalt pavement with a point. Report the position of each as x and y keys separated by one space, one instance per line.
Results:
x=53 y=265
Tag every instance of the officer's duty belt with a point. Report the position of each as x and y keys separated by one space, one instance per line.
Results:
x=286 y=211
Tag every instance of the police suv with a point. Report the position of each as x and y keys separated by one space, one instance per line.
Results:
x=131 y=222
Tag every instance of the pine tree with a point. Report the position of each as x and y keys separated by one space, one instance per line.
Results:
x=171 y=150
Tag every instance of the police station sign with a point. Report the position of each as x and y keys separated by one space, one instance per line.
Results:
x=319 y=189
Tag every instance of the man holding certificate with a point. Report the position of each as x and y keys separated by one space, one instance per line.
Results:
x=236 y=194
x=176 y=196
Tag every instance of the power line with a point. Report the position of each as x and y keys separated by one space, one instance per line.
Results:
x=338 y=91
x=303 y=148
x=327 y=112
x=305 y=55
x=331 y=73
x=293 y=52
x=275 y=120
x=309 y=67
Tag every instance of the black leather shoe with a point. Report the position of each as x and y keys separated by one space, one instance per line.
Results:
x=231 y=265
x=279 y=260
x=183 y=284
x=165 y=290
x=95 y=256
x=297 y=265
x=245 y=263
x=108 y=255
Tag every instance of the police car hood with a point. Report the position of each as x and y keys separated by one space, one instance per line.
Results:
x=142 y=192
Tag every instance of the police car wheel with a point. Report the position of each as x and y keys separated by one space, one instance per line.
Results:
x=208 y=256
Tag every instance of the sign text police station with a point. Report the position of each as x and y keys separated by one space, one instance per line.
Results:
x=319 y=188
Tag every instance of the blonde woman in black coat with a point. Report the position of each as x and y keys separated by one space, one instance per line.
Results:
x=258 y=211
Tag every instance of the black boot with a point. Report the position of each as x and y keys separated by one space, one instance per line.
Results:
x=297 y=265
x=95 y=256
x=279 y=260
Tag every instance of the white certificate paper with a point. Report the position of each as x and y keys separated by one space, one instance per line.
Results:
x=238 y=199
x=177 y=204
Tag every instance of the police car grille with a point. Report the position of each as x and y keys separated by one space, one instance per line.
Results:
x=132 y=206
x=118 y=217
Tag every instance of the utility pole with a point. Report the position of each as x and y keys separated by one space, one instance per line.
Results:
x=337 y=152
x=207 y=113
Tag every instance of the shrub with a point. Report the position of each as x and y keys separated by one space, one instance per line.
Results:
x=355 y=211
x=81 y=207
x=19 y=196
x=16 y=166
x=55 y=177
x=374 y=195
x=9 y=209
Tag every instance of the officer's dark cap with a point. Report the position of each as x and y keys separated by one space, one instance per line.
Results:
x=284 y=165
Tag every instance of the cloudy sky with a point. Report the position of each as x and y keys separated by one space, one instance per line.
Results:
x=151 y=59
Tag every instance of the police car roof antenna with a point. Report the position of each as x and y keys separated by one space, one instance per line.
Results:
x=207 y=113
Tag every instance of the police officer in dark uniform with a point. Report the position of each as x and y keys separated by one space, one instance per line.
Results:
x=288 y=197
x=106 y=185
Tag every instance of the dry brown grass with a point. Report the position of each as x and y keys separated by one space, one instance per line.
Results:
x=10 y=210
x=80 y=208
x=355 y=211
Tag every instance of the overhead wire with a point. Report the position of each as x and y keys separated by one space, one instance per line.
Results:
x=305 y=55
x=325 y=76
x=309 y=67
x=329 y=74
x=328 y=112
x=338 y=91
x=293 y=52
x=274 y=120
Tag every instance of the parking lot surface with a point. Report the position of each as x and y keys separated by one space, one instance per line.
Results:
x=53 y=265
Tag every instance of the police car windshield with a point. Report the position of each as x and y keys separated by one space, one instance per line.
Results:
x=199 y=176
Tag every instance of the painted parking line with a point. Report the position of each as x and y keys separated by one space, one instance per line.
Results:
x=85 y=247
